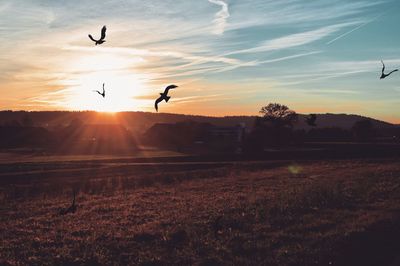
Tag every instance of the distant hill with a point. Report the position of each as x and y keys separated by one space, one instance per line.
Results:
x=135 y=121
x=139 y=122
x=344 y=121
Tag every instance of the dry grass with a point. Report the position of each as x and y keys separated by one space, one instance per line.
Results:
x=339 y=212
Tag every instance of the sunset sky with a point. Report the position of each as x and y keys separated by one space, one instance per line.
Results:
x=228 y=57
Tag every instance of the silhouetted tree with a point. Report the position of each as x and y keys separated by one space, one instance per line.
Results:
x=278 y=115
x=274 y=128
x=363 y=130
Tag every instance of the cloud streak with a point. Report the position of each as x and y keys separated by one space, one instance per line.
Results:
x=355 y=29
x=257 y=63
x=159 y=53
x=293 y=40
x=221 y=16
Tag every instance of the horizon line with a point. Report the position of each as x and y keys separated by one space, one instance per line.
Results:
x=213 y=116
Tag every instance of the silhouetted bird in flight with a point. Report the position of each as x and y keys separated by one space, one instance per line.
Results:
x=310 y=120
x=164 y=96
x=103 y=36
x=383 y=71
x=102 y=93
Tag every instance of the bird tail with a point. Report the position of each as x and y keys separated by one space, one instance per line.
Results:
x=167 y=98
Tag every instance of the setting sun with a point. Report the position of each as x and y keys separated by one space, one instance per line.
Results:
x=122 y=84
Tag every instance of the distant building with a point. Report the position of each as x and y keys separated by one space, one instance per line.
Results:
x=25 y=137
x=232 y=134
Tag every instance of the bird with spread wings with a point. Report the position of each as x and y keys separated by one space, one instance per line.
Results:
x=383 y=71
x=102 y=38
x=101 y=93
x=164 y=96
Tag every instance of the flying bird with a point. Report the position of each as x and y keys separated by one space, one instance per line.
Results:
x=103 y=36
x=164 y=96
x=383 y=71
x=310 y=120
x=102 y=93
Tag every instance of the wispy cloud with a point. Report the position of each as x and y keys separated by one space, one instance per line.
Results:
x=199 y=98
x=215 y=69
x=274 y=60
x=293 y=40
x=361 y=65
x=338 y=69
x=320 y=77
x=255 y=13
x=153 y=53
x=220 y=17
x=355 y=29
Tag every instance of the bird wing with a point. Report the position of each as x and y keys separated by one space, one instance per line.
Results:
x=104 y=91
x=392 y=71
x=156 y=103
x=90 y=37
x=97 y=91
x=168 y=88
x=383 y=67
x=103 y=33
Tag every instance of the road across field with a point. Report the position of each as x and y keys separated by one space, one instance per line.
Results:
x=18 y=173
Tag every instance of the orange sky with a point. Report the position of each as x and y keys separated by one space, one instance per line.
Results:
x=315 y=58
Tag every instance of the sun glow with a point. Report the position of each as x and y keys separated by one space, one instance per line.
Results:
x=122 y=83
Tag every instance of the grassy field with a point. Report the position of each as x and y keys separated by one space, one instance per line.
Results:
x=341 y=212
